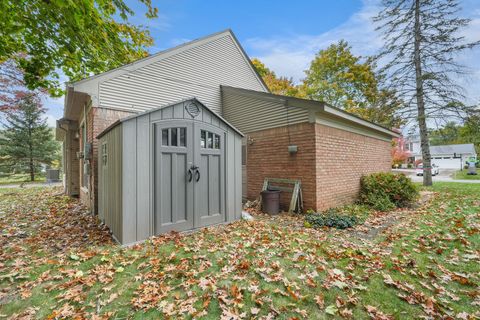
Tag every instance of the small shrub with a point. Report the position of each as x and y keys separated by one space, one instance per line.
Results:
x=409 y=166
x=329 y=219
x=385 y=191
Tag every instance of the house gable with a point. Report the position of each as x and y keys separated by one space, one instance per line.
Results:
x=195 y=69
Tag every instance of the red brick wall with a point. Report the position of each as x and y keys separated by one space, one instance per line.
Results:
x=329 y=162
x=98 y=119
x=268 y=156
x=342 y=158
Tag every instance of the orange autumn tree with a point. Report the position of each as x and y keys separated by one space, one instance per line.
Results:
x=399 y=152
x=283 y=86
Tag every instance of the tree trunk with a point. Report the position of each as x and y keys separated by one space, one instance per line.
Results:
x=32 y=170
x=422 y=121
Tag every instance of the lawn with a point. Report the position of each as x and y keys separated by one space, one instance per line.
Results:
x=20 y=177
x=56 y=263
x=462 y=174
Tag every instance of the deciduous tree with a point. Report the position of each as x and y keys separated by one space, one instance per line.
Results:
x=349 y=82
x=421 y=43
x=277 y=85
x=76 y=37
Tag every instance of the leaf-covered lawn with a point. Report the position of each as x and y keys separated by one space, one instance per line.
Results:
x=424 y=263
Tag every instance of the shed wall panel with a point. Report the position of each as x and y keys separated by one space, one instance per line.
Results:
x=143 y=177
x=129 y=174
x=126 y=185
x=196 y=72
x=110 y=182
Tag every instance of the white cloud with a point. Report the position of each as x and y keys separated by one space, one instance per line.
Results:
x=290 y=55
x=51 y=120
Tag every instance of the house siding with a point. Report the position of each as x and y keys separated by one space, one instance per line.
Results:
x=195 y=72
x=342 y=157
x=250 y=114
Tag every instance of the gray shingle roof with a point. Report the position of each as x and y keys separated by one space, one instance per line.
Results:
x=467 y=148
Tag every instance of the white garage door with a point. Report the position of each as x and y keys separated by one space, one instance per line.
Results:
x=447 y=163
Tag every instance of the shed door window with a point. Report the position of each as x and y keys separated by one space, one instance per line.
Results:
x=104 y=154
x=174 y=137
x=209 y=140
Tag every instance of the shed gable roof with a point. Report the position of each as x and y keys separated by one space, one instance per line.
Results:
x=116 y=123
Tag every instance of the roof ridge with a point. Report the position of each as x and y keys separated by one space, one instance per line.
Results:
x=151 y=56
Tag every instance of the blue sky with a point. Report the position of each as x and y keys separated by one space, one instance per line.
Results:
x=285 y=35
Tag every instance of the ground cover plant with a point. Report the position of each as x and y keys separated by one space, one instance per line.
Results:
x=342 y=217
x=55 y=262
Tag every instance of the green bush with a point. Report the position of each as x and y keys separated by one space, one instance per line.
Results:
x=385 y=191
x=330 y=219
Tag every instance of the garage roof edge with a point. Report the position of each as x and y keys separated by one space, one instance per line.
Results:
x=315 y=105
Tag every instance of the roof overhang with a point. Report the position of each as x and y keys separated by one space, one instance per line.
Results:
x=319 y=108
x=74 y=102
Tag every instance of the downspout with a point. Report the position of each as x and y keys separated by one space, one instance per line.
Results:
x=64 y=162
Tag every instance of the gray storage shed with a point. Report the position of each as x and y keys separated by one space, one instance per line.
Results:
x=177 y=167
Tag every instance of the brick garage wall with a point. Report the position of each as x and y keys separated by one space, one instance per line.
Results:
x=98 y=119
x=268 y=156
x=342 y=158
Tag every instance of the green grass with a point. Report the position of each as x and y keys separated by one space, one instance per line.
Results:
x=21 y=177
x=462 y=175
x=65 y=266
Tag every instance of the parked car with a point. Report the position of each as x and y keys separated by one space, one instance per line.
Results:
x=435 y=170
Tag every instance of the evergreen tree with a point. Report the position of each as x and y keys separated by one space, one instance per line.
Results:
x=422 y=41
x=26 y=140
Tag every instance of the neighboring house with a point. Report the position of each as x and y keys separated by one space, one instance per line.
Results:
x=215 y=76
x=451 y=156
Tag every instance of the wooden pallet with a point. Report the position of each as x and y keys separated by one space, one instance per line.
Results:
x=296 y=202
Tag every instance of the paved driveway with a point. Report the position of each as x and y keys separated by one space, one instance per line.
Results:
x=445 y=175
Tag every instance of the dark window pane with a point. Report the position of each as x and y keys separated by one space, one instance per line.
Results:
x=217 y=141
x=210 y=140
x=202 y=138
x=183 y=137
x=174 y=137
x=244 y=155
x=164 y=137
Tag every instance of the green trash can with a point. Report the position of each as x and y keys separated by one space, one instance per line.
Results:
x=271 y=201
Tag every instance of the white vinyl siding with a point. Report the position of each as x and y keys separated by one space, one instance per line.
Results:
x=195 y=72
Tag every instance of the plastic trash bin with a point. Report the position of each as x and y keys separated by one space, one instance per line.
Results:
x=271 y=201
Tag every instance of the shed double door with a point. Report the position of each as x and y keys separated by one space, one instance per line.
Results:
x=189 y=179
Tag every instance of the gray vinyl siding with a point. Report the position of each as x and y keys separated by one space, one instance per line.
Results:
x=195 y=72
x=126 y=201
x=249 y=114
x=110 y=182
